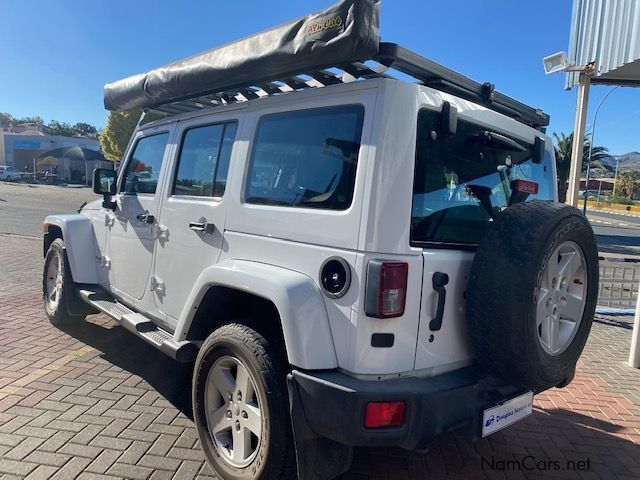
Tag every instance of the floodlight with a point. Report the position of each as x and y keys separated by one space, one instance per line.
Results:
x=558 y=62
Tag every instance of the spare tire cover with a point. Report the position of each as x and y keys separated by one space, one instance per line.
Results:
x=532 y=294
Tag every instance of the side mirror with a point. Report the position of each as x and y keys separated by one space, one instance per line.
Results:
x=104 y=183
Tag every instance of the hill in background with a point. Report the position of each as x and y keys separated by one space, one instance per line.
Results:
x=628 y=161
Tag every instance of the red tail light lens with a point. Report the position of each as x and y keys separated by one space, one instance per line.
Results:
x=383 y=414
x=393 y=289
x=386 y=289
x=524 y=186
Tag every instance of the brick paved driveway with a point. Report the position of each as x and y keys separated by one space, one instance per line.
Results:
x=95 y=402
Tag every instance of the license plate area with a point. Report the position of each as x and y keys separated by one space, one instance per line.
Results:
x=512 y=411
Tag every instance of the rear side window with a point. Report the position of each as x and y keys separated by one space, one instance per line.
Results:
x=143 y=169
x=463 y=181
x=203 y=164
x=306 y=158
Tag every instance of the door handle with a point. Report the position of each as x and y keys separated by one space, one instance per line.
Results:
x=439 y=281
x=202 y=227
x=146 y=218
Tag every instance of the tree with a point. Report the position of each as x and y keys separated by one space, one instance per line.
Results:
x=6 y=118
x=33 y=119
x=115 y=137
x=629 y=184
x=563 y=147
x=84 y=129
x=60 y=128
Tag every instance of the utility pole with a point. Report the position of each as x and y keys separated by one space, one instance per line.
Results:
x=577 y=149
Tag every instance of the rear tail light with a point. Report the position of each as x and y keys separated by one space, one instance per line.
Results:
x=524 y=186
x=383 y=414
x=386 y=289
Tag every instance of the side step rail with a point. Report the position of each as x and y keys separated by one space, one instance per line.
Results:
x=138 y=324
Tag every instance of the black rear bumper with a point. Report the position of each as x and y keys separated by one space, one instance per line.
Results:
x=327 y=412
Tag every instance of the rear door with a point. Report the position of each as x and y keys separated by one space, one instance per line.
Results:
x=461 y=183
x=192 y=221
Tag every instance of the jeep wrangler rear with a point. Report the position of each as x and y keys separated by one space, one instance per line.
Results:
x=349 y=259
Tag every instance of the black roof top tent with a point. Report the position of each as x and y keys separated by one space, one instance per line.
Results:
x=336 y=45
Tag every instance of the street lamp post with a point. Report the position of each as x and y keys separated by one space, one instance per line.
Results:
x=615 y=177
x=556 y=63
x=593 y=133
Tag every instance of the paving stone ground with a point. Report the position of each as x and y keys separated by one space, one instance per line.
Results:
x=94 y=402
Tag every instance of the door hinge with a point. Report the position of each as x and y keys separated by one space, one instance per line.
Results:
x=162 y=233
x=109 y=220
x=157 y=285
x=105 y=262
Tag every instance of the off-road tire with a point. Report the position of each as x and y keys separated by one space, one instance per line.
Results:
x=266 y=362
x=504 y=282
x=58 y=312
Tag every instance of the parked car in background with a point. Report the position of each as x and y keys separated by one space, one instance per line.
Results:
x=9 y=174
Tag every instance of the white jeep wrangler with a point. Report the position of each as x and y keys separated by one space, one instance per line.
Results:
x=349 y=259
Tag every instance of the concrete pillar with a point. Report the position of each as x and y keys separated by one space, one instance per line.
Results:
x=578 y=138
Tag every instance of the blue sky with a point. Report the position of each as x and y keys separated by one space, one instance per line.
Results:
x=58 y=54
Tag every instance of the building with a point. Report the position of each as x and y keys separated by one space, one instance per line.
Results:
x=19 y=147
x=603 y=185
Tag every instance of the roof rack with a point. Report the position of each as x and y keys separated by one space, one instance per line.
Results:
x=340 y=44
x=390 y=56
x=446 y=80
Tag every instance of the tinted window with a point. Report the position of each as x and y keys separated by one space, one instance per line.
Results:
x=306 y=158
x=204 y=160
x=463 y=181
x=143 y=169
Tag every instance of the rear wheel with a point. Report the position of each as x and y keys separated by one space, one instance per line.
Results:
x=57 y=285
x=240 y=405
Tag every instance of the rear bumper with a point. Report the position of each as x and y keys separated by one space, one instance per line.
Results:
x=331 y=405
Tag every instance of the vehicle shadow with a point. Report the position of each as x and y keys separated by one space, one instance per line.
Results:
x=121 y=348
x=555 y=443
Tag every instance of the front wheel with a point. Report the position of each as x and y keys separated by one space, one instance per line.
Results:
x=240 y=405
x=57 y=285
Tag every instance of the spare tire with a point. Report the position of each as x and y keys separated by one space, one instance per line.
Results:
x=532 y=294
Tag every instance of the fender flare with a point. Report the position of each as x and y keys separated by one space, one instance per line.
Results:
x=79 y=241
x=297 y=298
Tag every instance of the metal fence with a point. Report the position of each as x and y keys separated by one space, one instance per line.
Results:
x=618 y=284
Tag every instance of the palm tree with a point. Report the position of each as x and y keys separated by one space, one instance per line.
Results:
x=629 y=184
x=563 y=149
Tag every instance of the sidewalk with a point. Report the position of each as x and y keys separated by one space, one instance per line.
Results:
x=94 y=402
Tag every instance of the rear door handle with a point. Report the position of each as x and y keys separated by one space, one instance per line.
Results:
x=439 y=281
x=146 y=218
x=204 y=227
